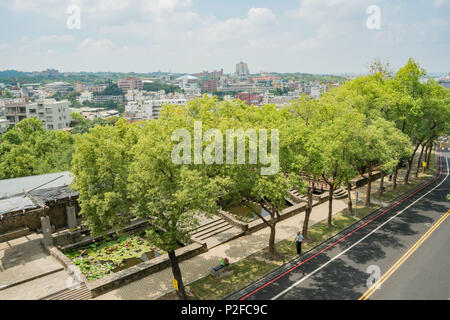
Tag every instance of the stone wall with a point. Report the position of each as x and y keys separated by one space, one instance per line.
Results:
x=17 y=220
x=142 y=270
x=67 y=237
x=14 y=234
x=32 y=219
x=361 y=181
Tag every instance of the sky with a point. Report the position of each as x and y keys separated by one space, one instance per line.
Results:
x=187 y=36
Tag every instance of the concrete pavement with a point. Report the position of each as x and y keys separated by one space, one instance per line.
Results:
x=27 y=272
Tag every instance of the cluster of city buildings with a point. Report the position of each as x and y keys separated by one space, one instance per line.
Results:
x=256 y=89
x=49 y=102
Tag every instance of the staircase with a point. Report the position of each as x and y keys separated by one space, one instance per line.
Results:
x=297 y=196
x=81 y=293
x=216 y=231
x=340 y=193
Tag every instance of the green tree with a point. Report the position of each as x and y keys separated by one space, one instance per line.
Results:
x=330 y=142
x=101 y=166
x=170 y=196
x=126 y=171
x=250 y=187
x=306 y=156
x=28 y=149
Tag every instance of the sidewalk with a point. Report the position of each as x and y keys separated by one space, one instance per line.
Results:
x=197 y=267
x=27 y=272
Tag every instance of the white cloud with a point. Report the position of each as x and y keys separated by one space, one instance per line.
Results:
x=257 y=22
x=54 y=39
x=104 y=11
x=329 y=10
x=100 y=46
x=419 y=33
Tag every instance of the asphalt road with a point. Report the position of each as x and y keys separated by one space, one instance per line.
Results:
x=404 y=245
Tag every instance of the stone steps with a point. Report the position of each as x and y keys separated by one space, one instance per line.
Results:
x=216 y=231
x=81 y=293
x=208 y=225
x=224 y=236
x=223 y=226
x=340 y=193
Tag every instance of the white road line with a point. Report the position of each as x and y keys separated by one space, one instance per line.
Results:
x=357 y=242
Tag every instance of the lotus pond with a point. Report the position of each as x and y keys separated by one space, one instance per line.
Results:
x=112 y=254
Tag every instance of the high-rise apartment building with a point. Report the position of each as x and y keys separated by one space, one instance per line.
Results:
x=242 y=69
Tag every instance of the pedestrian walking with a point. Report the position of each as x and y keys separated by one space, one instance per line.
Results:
x=298 y=242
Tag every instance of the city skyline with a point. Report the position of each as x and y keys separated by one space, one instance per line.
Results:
x=187 y=36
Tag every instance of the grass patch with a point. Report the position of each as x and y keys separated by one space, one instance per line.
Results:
x=256 y=265
x=401 y=189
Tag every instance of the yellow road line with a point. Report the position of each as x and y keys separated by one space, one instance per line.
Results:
x=374 y=287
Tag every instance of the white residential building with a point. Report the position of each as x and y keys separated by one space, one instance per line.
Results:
x=149 y=109
x=190 y=85
x=279 y=101
x=134 y=95
x=85 y=96
x=54 y=114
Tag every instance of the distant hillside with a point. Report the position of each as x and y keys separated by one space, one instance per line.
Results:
x=12 y=74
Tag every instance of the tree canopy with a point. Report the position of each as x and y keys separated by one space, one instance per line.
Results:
x=28 y=149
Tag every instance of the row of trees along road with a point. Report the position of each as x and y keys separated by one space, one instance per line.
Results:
x=126 y=170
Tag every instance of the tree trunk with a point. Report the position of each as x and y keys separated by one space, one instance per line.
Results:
x=177 y=275
x=382 y=183
x=408 y=170
x=429 y=155
x=394 y=178
x=308 y=210
x=330 y=206
x=349 y=203
x=272 y=241
x=369 y=183
x=410 y=160
x=425 y=158
x=419 y=162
